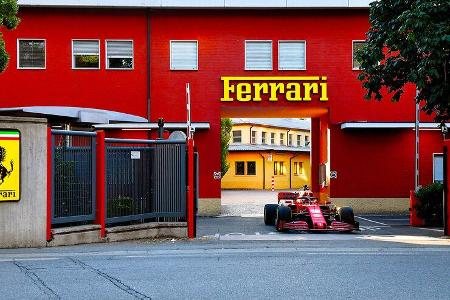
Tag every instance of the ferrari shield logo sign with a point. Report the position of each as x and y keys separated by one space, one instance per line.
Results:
x=9 y=165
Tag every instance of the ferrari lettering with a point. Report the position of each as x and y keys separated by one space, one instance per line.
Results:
x=293 y=89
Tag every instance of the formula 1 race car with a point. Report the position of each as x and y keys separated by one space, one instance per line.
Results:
x=301 y=211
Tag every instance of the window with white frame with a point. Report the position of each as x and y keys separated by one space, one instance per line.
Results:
x=299 y=140
x=272 y=138
x=291 y=55
x=438 y=167
x=307 y=142
x=258 y=55
x=30 y=54
x=253 y=137
x=119 y=55
x=290 y=139
x=237 y=136
x=86 y=54
x=184 y=55
x=264 y=137
x=357 y=45
x=281 y=138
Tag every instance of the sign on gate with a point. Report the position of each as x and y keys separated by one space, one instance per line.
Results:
x=9 y=165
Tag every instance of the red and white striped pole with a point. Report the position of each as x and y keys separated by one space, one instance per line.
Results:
x=273 y=184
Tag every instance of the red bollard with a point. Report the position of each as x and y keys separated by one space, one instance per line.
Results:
x=100 y=216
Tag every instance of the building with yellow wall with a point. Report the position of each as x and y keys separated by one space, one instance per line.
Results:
x=262 y=149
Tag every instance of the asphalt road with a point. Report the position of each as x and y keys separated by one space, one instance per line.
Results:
x=228 y=261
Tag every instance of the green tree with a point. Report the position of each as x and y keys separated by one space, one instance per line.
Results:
x=225 y=136
x=408 y=43
x=8 y=20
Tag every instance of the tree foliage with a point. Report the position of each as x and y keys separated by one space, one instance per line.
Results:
x=408 y=42
x=8 y=20
x=225 y=136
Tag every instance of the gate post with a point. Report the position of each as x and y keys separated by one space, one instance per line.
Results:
x=49 y=184
x=100 y=215
x=190 y=190
x=446 y=190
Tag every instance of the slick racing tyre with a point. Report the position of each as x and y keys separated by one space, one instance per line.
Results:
x=284 y=213
x=270 y=213
x=345 y=214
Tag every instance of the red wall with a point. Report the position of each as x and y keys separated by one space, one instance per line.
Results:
x=58 y=84
x=221 y=35
x=380 y=163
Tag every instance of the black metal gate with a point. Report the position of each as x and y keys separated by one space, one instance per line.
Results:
x=145 y=179
x=73 y=166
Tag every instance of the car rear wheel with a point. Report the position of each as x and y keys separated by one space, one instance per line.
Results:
x=270 y=213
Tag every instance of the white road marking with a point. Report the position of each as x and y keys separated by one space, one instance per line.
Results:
x=29 y=259
x=371 y=221
x=252 y=215
x=431 y=229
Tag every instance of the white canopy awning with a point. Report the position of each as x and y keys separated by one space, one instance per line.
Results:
x=75 y=114
x=143 y=126
x=389 y=125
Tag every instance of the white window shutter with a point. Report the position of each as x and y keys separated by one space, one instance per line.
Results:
x=291 y=55
x=258 y=55
x=119 y=49
x=85 y=47
x=183 y=55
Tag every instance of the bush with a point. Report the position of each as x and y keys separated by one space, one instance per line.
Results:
x=429 y=205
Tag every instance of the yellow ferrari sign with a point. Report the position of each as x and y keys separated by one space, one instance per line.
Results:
x=9 y=165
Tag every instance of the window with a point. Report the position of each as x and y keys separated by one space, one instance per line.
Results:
x=281 y=138
x=31 y=54
x=290 y=137
x=438 y=167
x=85 y=54
x=119 y=55
x=272 y=138
x=258 y=55
x=278 y=168
x=237 y=136
x=253 y=137
x=306 y=140
x=251 y=168
x=299 y=140
x=356 y=46
x=298 y=168
x=184 y=55
x=263 y=137
x=291 y=55
x=240 y=168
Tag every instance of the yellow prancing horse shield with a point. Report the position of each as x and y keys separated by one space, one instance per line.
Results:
x=9 y=165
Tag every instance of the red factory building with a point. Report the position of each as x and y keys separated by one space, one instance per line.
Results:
x=277 y=58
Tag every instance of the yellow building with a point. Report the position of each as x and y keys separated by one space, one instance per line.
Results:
x=266 y=149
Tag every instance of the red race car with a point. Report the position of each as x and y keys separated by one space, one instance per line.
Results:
x=301 y=211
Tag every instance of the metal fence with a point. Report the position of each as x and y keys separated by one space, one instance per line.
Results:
x=145 y=179
x=73 y=181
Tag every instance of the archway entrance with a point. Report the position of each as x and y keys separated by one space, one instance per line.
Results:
x=274 y=149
